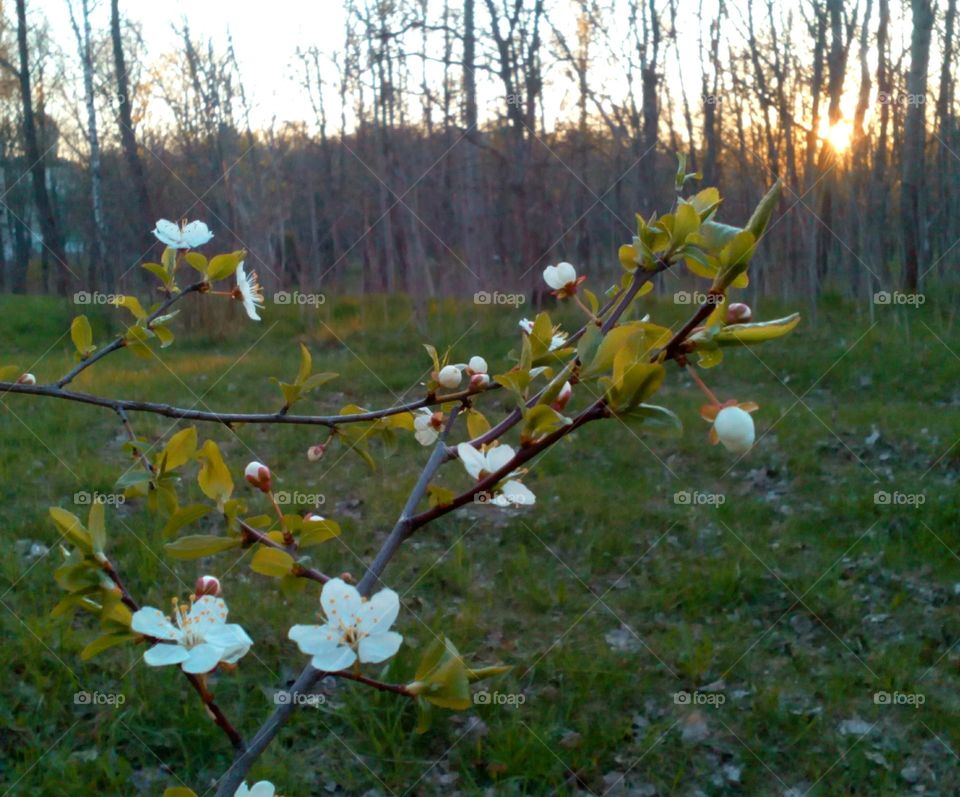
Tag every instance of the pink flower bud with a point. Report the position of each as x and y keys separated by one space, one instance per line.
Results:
x=207 y=585
x=258 y=475
x=27 y=379
x=316 y=452
x=562 y=397
x=479 y=380
x=739 y=313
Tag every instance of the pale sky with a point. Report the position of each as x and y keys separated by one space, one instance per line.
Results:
x=266 y=36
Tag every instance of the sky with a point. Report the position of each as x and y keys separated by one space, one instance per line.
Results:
x=266 y=36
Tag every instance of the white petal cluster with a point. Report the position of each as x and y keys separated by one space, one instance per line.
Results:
x=182 y=236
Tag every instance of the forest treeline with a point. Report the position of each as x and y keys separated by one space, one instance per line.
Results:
x=433 y=162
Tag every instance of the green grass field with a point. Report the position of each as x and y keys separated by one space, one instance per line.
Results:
x=783 y=610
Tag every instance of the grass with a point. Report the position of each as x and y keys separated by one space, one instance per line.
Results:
x=796 y=599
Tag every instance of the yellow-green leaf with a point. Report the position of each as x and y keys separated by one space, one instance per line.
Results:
x=315 y=532
x=214 y=477
x=196 y=545
x=179 y=449
x=758 y=332
x=223 y=266
x=82 y=335
x=272 y=562
x=71 y=527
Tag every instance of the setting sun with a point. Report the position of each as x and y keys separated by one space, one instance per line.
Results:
x=839 y=135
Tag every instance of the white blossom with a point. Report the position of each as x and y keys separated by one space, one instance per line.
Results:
x=560 y=277
x=480 y=464
x=263 y=788
x=558 y=341
x=427 y=425
x=356 y=628
x=184 y=235
x=251 y=294
x=198 y=639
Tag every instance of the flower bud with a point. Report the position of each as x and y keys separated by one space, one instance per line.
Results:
x=734 y=428
x=479 y=380
x=258 y=475
x=313 y=517
x=739 y=313
x=316 y=452
x=449 y=376
x=477 y=365
x=27 y=379
x=207 y=585
x=562 y=397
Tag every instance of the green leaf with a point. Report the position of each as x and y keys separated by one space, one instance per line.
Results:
x=651 y=418
x=763 y=211
x=96 y=527
x=82 y=336
x=540 y=421
x=104 y=642
x=686 y=221
x=272 y=562
x=477 y=423
x=439 y=496
x=9 y=373
x=223 y=266
x=163 y=333
x=214 y=477
x=131 y=303
x=734 y=259
x=196 y=545
x=70 y=527
x=306 y=365
x=179 y=791
x=159 y=271
x=197 y=262
x=442 y=676
x=316 y=380
x=184 y=517
x=315 y=532
x=758 y=332
x=179 y=449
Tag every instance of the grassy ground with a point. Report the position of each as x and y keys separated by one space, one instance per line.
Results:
x=783 y=611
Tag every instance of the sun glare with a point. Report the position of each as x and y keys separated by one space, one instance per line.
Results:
x=839 y=135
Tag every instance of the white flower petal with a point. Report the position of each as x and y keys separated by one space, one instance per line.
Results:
x=426 y=437
x=341 y=602
x=551 y=276
x=313 y=639
x=566 y=273
x=206 y=613
x=334 y=660
x=195 y=234
x=263 y=788
x=379 y=647
x=515 y=492
x=202 y=658
x=498 y=457
x=153 y=622
x=168 y=233
x=233 y=641
x=472 y=459
x=477 y=364
x=162 y=654
x=380 y=612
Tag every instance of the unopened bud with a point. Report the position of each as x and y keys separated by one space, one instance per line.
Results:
x=312 y=517
x=739 y=313
x=479 y=380
x=258 y=475
x=207 y=585
x=316 y=452
x=477 y=365
x=562 y=397
x=449 y=376
x=27 y=379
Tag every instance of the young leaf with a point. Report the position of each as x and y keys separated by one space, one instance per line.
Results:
x=179 y=449
x=196 y=545
x=315 y=532
x=82 y=336
x=214 y=477
x=272 y=562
